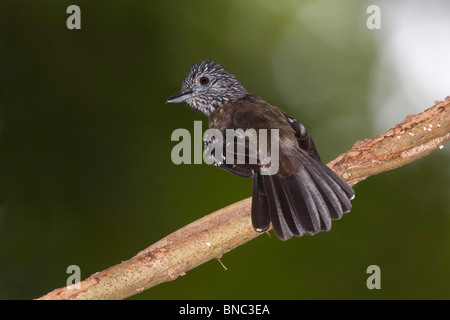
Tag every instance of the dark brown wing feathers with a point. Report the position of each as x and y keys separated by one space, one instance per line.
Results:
x=305 y=195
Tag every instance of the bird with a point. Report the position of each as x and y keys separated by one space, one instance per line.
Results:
x=304 y=195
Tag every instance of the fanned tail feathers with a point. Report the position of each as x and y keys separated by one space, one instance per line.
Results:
x=302 y=203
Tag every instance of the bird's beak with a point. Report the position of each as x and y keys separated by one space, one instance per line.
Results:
x=181 y=96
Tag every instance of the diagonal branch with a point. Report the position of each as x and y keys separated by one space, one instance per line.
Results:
x=219 y=232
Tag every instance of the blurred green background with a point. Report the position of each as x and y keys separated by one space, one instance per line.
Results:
x=85 y=168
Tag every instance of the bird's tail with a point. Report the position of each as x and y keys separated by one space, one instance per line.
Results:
x=302 y=203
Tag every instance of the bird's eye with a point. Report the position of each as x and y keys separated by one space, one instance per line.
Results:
x=204 y=81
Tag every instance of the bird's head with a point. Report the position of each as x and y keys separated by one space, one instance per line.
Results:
x=208 y=86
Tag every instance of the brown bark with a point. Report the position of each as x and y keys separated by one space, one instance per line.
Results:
x=219 y=232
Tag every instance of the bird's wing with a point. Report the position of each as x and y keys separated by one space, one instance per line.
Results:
x=236 y=153
x=304 y=139
x=310 y=195
x=305 y=195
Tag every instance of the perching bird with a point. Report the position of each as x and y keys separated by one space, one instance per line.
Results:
x=304 y=195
